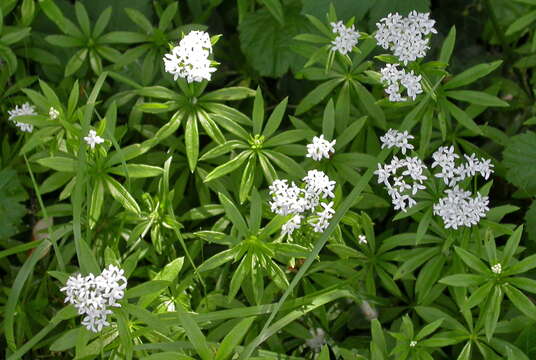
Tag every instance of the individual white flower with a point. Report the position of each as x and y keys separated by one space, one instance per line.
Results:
x=497 y=268
x=320 y=148
x=347 y=38
x=317 y=340
x=190 y=59
x=24 y=109
x=92 y=139
x=321 y=221
x=406 y=37
x=394 y=138
x=93 y=295
x=53 y=113
x=392 y=78
x=291 y=225
x=362 y=239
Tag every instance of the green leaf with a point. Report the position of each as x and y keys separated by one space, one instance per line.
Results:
x=146 y=289
x=519 y=157
x=219 y=259
x=328 y=121
x=167 y=16
x=238 y=276
x=248 y=176
x=267 y=43
x=83 y=18
x=136 y=170
x=275 y=118
x=523 y=266
x=122 y=195
x=122 y=37
x=415 y=259
x=462 y=117
x=512 y=245
x=102 y=22
x=276 y=9
x=22 y=275
x=76 y=61
x=448 y=46
x=478 y=296
x=192 y=141
x=520 y=301
x=258 y=112
x=472 y=261
x=471 y=75
x=59 y=163
x=317 y=95
x=345 y=8
x=233 y=339
x=369 y=103
x=476 y=97
x=12 y=195
x=228 y=93
x=140 y=20
x=233 y=214
x=228 y=167
x=195 y=335
x=521 y=23
x=428 y=329
x=492 y=312
x=463 y=280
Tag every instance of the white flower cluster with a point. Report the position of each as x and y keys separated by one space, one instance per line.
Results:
x=317 y=340
x=399 y=139
x=497 y=269
x=393 y=78
x=53 y=113
x=451 y=174
x=190 y=59
x=93 y=139
x=460 y=209
x=320 y=148
x=310 y=201
x=24 y=109
x=406 y=37
x=346 y=37
x=402 y=178
x=94 y=295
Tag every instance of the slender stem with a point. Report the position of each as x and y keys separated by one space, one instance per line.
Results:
x=61 y=264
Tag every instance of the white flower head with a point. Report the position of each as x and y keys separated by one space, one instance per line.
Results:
x=317 y=340
x=347 y=38
x=320 y=148
x=53 y=113
x=412 y=343
x=93 y=295
x=406 y=37
x=459 y=209
x=24 y=109
x=309 y=204
x=92 y=139
x=190 y=59
x=394 y=138
x=362 y=239
x=497 y=268
x=452 y=173
x=402 y=178
x=393 y=79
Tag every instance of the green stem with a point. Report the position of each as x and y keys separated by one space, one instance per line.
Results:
x=52 y=238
